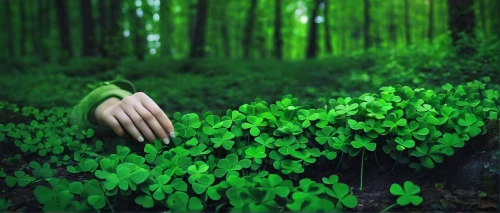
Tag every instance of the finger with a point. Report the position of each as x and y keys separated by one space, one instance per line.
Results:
x=114 y=125
x=139 y=123
x=127 y=123
x=162 y=118
x=153 y=123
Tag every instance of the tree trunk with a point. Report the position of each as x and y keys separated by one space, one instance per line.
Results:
x=115 y=36
x=249 y=28
x=312 y=44
x=37 y=19
x=224 y=30
x=407 y=23
x=64 y=34
x=392 y=23
x=192 y=12
x=103 y=28
x=166 y=27
x=328 y=38
x=45 y=30
x=366 y=30
x=430 y=32
x=138 y=33
x=88 y=36
x=461 y=18
x=22 y=13
x=198 y=44
x=483 y=18
x=278 y=37
x=8 y=29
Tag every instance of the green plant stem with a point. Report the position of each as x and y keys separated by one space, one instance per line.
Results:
x=389 y=207
x=362 y=164
x=109 y=204
x=376 y=159
x=397 y=160
x=340 y=161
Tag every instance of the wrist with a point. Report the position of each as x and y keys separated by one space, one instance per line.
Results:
x=99 y=110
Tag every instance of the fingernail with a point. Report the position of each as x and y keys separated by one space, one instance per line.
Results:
x=140 y=139
x=172 y=135
x=166 y=140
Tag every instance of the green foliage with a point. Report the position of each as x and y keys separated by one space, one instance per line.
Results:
x=250 y=159
x=406 y=195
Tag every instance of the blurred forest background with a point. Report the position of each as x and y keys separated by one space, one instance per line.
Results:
x=197 y=55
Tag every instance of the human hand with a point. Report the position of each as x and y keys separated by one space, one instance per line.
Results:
x=138 y=115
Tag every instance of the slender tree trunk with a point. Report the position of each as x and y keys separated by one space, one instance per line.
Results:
x=328 y=37
x=312 y=44
x=103 y=28
x=224 y=30
x=430 y=32
x=138 y=33
x=392 y=23
x=366 y=30
x=249 y=28
x=278 y=37
x=192 y=13
x=342 y=26
x=407 y=23
x=64 y=34
x=8 y=29
x=461 y=20
x=483 y=18
x=166 y=27
x=37 y=19
x=22 y=13
x=115 y=38
x=45 y=30
x=198 y=45
x=88 y=35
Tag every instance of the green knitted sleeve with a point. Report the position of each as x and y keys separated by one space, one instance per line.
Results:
x=83 y=113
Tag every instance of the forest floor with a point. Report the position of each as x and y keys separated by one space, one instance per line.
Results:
x=460 y=184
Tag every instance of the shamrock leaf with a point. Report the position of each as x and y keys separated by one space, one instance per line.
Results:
x=470 y=124
x=447 y=142
x=342 y=193
x=188 y=125
x=274 y=182
x=325 y=135
x=408 y=194
x=257 y=153
x=223 y=137
x=404 y=144
x=20 y=178
x=361 y=141
x=230 y=165
x=265 y=140
x=307 y=116
x=347 y=109
x=253 y=124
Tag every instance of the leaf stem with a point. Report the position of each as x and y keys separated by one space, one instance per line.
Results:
x=362 y=164
x=338 y=165
x=376 y=159
x=109 y=204
x=389 y=207
x=397 y=160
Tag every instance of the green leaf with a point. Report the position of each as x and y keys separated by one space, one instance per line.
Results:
x=408 y=194
x=43 y=194
x=145 y=201
x=139 y=176
x=97 y=201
